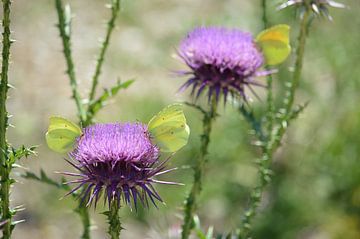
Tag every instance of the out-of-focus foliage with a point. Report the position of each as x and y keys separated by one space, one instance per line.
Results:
x=316 y=189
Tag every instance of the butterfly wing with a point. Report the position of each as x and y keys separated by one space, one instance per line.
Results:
x=274 y=43
x=169 y=128
x=62 y=134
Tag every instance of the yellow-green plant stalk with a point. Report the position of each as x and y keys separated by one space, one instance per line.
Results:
x=64 y=25
x=8 y=155
x=5 y=168
x=222 y=64
x=275 y=130
x=85 y=112
x=199 y=169
x=115 y=7
x=114 y=221
x=85 y=115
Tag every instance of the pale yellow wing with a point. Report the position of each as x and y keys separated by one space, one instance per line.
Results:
x=169 y=129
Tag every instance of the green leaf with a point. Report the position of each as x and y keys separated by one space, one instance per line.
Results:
x=254 y=123
x=274 y=43
x=45 y=179
x=99 y=103
x=17 y=154
x=298 y=109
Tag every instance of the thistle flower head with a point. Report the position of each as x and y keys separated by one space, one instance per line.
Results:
x=221 y=61
x=118 y=160
x=318 y=7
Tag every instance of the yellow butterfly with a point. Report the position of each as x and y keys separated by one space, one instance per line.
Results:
x=274 y=43
x=169 y=128
x=61 y=134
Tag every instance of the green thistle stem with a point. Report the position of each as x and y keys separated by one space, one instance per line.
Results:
x=65 y=32
x=5 y=168
x=289 y=101
x=5 y=201
x=199 y=168
x=255 y=197
x=274 y=139
x=264 y=162
x=264 y=13
x=115 y=8
x=269 y=84
x=290 y=94
x=114 y=220
x=85 y=219
x=270 y=114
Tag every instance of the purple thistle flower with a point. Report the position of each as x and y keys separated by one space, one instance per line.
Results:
x=221 y=60
x=318 y=7
x=117 y=160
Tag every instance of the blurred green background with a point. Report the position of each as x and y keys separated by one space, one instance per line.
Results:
x=315 y=193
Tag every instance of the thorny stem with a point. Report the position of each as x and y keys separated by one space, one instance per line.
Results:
x=115 y=7
x=264 y=165
x=85 y=219
x=255 y=197
x=269 y=83
x=274 y=139
x=270 y=114
x=5 y=167
x=114 y=220
x=199 y=168
x=65 y=32
x=290 y=94
x=289 y=101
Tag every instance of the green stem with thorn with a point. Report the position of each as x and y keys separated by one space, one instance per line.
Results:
x=65 y=34
x=5 y=167
x=114 y=220
x=275 y=134
x=115 y=8
x=64 y=26
x=199 y=168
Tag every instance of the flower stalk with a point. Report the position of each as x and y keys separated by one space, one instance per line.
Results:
x=264 y=13
x=114 y=220
x=269 y=83
x=5 y=167
x=115 y=8
x=64 y=25
x=275 y=132
x=287 y=110
x=85 y=219
x=199 y=169
x=289 y=101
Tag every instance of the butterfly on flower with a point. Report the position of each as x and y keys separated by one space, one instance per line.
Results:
x=120 y=160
